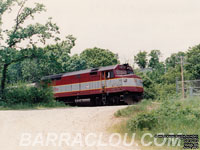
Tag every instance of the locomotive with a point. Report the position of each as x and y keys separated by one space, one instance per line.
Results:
x=110 y=85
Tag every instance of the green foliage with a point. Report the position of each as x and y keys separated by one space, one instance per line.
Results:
x=141 y=59
x=160 y=82
x=55 y=60
x=149 y=86
x=165 y=91
x=143 y=121
x=5 y=6
x=96 y=57
x=134 y=109
x=193 y=58
x=14 y=73
x=75 y=63
x=170 y=76
x=175 y=116
x=154 y=58
x=34 y=35
x=169 y=116
x=154 y=78
x=171 y=62
x=23 y=94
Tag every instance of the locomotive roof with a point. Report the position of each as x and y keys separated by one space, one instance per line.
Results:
x=56 y=76
x=90 y=70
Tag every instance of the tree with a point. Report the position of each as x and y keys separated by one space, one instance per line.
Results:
x=96 y=57
x=193 y=60
x=173 y=59
x=12 y=51
x=154 y=58
x=141 y=59
x=14 y=73
x=149 y=85
x=75 y=63
x=54 y=60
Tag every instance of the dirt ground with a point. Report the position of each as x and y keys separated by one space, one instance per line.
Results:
x=77 y=122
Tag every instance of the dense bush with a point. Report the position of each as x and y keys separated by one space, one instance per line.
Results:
x=143 y=121
x=23 y=94
x=173 y=116
x=165 y=91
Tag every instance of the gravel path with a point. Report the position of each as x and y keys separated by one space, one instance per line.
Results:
x=76 y=122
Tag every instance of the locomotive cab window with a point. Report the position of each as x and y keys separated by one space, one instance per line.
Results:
x=121 y=72
x=130 y=72
x=93 y=73
x=109 y=74
x=56 y=78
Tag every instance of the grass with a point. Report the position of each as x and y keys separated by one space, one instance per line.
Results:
x=133 y=110
x=170 y=116
x=33 y=106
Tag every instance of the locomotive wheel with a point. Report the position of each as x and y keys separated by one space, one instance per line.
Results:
x=114 y=100
x=98 y=101
x=104 y=100
x=129 y=99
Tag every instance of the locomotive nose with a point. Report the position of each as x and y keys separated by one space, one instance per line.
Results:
x=132 y=81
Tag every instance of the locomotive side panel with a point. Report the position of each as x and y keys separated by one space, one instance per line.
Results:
x=116 y=82
x=75 y=88
x=113 y=82
x=95 y=87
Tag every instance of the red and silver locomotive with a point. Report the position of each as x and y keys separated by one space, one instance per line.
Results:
x=109 y=85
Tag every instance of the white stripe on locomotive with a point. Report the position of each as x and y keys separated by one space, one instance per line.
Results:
x=123 y=82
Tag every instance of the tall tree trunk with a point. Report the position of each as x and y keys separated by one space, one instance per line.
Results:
x=3 y=81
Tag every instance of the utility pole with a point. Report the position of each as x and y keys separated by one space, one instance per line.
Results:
x=182 y=75
x=182 y=78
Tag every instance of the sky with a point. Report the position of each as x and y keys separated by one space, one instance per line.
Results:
x=127 y=26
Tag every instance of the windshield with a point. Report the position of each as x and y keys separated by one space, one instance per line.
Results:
x=124 y=72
